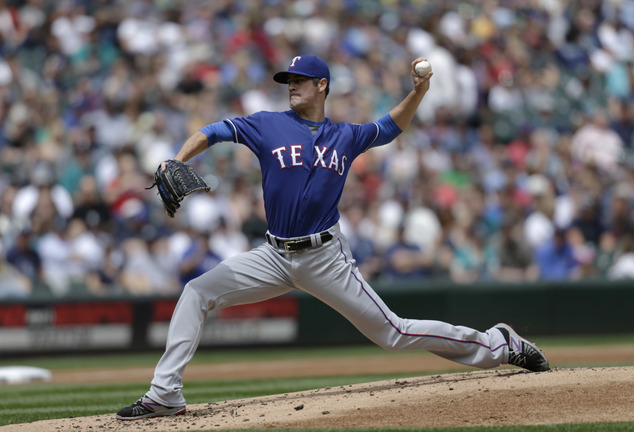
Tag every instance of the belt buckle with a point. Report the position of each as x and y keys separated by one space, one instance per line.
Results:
x=287 y=246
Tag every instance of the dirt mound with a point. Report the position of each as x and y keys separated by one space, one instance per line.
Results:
x=494 y=397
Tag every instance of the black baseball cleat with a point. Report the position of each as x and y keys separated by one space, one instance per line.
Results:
x=147 y=408
x=523 y=353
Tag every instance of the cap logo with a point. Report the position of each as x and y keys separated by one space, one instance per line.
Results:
x=294 y=60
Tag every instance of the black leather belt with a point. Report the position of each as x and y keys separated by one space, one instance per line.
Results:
x=298 y=244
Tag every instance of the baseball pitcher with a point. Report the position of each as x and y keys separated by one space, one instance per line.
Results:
x=305 y=159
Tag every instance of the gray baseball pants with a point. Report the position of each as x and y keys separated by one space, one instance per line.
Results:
x=329 y=273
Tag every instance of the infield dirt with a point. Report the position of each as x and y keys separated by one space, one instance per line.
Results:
x=506 y=396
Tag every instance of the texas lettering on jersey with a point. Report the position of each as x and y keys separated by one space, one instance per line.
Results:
x=290 y=156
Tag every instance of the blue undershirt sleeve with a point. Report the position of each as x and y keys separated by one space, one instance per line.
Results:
x=388 y=130
x=218 y=132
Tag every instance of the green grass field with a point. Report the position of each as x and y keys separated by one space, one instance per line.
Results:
x=32 y=402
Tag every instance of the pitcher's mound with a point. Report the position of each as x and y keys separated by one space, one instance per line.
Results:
x=494 y=397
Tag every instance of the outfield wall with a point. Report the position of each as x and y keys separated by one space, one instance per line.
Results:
x=83 y=324
x=536 y=309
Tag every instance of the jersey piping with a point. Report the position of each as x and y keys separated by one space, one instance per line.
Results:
x=235 y=130
x=378 y=131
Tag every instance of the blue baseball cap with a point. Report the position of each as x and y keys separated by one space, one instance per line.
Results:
x=306 y=65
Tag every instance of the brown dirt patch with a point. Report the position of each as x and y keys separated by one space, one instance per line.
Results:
x=385 y=363
x=506 y=396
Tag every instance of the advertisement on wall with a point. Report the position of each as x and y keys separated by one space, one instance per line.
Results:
x=139 y=324
x=271 y=322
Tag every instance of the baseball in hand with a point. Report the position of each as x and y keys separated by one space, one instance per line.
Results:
x=422 y=68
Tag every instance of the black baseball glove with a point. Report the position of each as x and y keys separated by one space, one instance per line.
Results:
x=175 y=183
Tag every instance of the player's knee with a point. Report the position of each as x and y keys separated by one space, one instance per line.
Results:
x=391 y=339
x=189 y=287
x=387 y=343
x=386 y=347
x=197 y=290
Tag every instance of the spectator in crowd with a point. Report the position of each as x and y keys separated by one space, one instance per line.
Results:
x=198 y=259
x=79 y=160
x=605 y=253
x=515 y=257
x=470 y=262
x=9 y=225
x=24 y=257
x=142 y=272
x=588 y=221
x=621 y=116
x=618 y=214
x=358 y=230
x=584 y=253
x=58 y=260
x=13 y=284
x=595 y=143
x=555 y=258
x=89 y=204
x=123 y=193
x=421 y=227
x=405 y=260
x=255 y=226
x=87 y=249
x=539 y=225
x=42 y=200
x=227 y=241
x=623 y=265
x=105 y=278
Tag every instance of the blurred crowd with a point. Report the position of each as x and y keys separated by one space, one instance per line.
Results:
x=518 y=167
